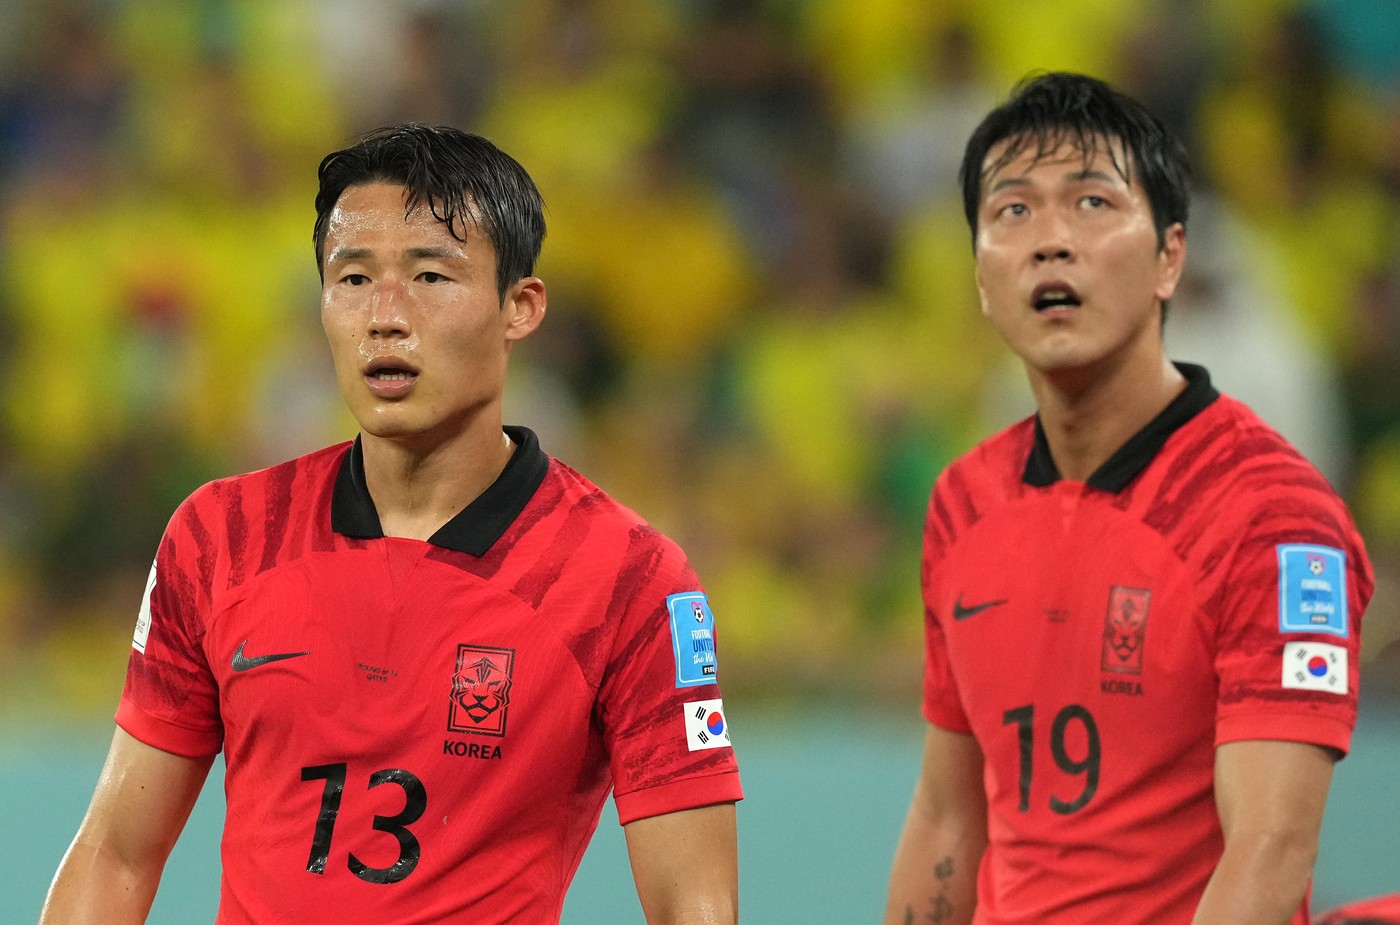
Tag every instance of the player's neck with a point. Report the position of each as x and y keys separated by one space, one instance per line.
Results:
x=417 y=489
x=1088 y=417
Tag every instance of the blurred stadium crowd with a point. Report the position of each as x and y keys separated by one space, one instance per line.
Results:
x=763 y=329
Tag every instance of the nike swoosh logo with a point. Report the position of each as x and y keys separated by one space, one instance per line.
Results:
x=242 y=662
x=962 y=613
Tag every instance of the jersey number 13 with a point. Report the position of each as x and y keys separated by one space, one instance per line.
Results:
x=415 y=803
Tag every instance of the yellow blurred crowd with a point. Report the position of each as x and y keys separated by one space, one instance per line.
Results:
x=763 y=329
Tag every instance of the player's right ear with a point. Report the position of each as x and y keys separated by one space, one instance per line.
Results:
x=526 y=301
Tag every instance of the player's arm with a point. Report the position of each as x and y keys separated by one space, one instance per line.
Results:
x=1270 y=796
x=686 y=866
x=934 y=878
x=141 y=803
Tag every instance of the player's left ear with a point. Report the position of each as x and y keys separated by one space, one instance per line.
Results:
x=1171 y=258
x=525 y=304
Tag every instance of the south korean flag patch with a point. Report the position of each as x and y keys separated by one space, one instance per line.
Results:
x=1315 y=666
x=705 y=725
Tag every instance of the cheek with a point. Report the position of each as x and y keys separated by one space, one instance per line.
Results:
x=994 y=278
x=342 y=339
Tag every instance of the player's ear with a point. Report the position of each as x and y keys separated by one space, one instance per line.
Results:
x=1170 y=261
x=982 y=292
x=525 y=304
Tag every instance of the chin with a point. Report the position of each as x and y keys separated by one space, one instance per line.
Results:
x=390 y=425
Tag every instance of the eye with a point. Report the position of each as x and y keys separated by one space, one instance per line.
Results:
x=430 y=277
x=1013 y=209
x=354 y=279
x=1094 y=202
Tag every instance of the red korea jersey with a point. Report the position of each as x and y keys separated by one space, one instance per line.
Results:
x=1100 y=639
x=424 y=732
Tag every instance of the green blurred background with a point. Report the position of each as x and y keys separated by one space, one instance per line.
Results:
x=763 y=330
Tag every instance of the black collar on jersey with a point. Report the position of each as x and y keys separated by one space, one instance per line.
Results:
x=1132 y=457
x=476 y=527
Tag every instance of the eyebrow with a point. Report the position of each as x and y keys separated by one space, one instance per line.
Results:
x=1076 y=176
x=420 y=253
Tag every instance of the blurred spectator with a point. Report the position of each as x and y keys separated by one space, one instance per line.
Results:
x=65 y=114
x=906 y=146
x=760 y=276
x=1228 y=316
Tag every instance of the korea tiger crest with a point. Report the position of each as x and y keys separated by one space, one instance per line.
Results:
x=1125 y=629
x=481 y=690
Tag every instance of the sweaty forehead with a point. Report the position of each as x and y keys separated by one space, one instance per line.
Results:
x=1061 y=147
x=381 y=208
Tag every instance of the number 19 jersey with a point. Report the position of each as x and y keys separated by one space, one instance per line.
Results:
x=1101 y=639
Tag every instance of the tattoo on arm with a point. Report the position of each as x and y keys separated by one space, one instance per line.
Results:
x=940 y=909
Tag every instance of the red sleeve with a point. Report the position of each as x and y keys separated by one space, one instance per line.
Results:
x=170 y=698
x=1279 y=677
x=942 y=702
x=665 y=726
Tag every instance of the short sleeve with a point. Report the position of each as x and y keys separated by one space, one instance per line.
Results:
x=664 y=723
x=1289 y=622
x=942 y=703
x=170 y=697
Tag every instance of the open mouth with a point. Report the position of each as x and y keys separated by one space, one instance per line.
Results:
x=389 y=377
x=389 y=369
x=1048 y=296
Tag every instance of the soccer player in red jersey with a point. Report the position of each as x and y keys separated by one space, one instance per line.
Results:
x=429 y=654
x=1142 y=606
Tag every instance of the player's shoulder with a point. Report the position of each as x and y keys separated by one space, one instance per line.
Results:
x=995 y=466
x=569 y=495
x=1245 y=454
x=272 y=488
x=1244 y=479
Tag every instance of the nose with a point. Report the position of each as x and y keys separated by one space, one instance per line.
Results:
x=387 y=315
x=1054 y=240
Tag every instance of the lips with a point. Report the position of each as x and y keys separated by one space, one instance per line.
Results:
x=390 y=377
x=1054 y=294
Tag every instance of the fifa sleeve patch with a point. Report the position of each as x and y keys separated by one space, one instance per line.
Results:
x=1315 y=666
x=692 y=638
x=1312 y=590
x=705 y=725
x=143 y=618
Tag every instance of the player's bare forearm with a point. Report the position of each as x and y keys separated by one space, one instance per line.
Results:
x=950 y=899
x=934 y=877
x=93 y=887
x=1262 y=880
x=1271 y=797
x=142 y=799
x=686 y=866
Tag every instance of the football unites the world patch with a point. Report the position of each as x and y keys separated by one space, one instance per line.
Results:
x=1315 y=666
x=1312 y=590
x=705 y=725
x=692 y=638
x=143 y=619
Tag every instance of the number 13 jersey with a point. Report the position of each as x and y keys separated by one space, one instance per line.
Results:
x=423 y=732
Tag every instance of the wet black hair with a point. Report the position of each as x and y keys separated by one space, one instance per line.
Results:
x=464 y=179
x=1048 y=110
